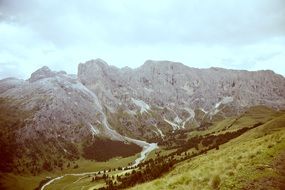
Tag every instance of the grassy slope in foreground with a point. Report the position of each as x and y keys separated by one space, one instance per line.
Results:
x=247 y=162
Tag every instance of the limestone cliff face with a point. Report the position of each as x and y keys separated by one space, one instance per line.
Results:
x=163 y=83
x=146 y=103
x=61 y=106
x=169 y=95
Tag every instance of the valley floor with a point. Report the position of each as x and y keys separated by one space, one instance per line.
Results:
x=28 y=182
x=82 y=180
x=245 y=152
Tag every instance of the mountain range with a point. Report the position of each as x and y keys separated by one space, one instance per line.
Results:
x=59 y=115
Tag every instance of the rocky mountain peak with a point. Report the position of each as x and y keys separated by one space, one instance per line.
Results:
x=93 y=65
x=41 y=73
x=96 y=70
x=91 y=68
x=45 y=72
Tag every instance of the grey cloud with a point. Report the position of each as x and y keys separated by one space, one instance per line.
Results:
x=142 y=22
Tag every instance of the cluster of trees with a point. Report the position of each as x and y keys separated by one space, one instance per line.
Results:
x=44 y=181
x=46 y=155
x=27 y=156
x=211 y=141
x=148 y=173
x=11 y=119
x=105 y=149
x=144 y=172
x=174 y=139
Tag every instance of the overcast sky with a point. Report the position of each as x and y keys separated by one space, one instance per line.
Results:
x=237 y=34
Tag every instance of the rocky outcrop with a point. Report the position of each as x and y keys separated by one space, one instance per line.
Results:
x=62 y=106
x=162 y=83
x=177 y=95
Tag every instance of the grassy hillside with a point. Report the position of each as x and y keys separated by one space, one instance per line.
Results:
x=254 y=160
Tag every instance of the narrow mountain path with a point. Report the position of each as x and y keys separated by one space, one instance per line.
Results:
x=147 y=148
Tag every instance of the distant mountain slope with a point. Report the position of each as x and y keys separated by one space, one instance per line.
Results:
x=59 y=115
x=163 y=83
x=47 y=120
x=161 y=96
x=61 y=106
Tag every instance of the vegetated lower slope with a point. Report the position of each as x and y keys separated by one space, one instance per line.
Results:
x=41 y=153
x=192 y=145
x=11 y=119
x=253 y=160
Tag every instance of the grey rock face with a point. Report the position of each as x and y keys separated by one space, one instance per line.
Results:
x=147 y=102
x=163 y=83
x=41 y=73
x=62 y=107
x=9 y=83
x=174 y=92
